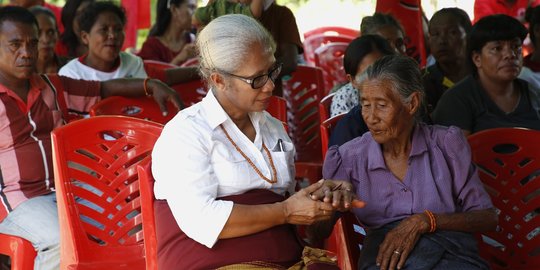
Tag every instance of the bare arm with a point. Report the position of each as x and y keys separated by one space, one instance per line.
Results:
x=473 y=221
x=313 y=204
x=256 y=7
x=135 y=88
x=181 y=75
x=289 y=56
x=297 y=209
x=403 y=238
x=187 y=52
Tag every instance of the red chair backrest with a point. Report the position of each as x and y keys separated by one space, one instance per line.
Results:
x=346 y=240
x=508 y=161
x=303 y=94
x=327 y=126
x=324 y=106
x=156 y=69
x=332 y=31
x=191 y=92
x=191 y=62
x=141 y=107
x=95 y=167
x=278 y=108
x=330 y=58
x=313 y=42
x=146 y=186
x=20 y=251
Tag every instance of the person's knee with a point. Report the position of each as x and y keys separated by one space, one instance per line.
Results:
x=49 y=238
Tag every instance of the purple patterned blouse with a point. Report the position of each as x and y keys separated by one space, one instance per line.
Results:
x=440 y=176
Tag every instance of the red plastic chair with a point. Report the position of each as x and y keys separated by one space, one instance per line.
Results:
x=330 y=58
x=191 y=92
x=327 y=126
x=142 y=107
x=508 y=160
x=324 y=106
x=303 y=94
x=332 y=31
x=278 y=108
x=346 y=241
x=191 y=62
x=146 y=186
x=95 y=166
x=21 y=252
x=156 y=69
x=313 y=42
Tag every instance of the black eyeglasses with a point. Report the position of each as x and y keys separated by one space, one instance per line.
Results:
x=259 y=81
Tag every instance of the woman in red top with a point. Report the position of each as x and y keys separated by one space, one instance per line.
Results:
x=170 y=38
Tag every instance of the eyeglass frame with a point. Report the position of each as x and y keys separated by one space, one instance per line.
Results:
x=251 y=81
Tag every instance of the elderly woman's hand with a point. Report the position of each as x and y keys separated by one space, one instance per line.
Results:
x=400 y=241
x=163 y=94
x=339 y=193
x=300 y=209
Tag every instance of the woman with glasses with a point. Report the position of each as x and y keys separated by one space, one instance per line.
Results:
x=225 y=166
x=170 y=39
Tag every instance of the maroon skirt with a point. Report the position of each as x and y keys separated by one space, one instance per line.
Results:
x=280 y=244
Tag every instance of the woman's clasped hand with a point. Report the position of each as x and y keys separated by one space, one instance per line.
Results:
x=319 y=201
x=340 y=194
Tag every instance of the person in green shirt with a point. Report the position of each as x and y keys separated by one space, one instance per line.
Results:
x=216 y=8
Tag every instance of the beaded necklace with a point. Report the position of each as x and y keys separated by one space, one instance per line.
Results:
x=274 y=173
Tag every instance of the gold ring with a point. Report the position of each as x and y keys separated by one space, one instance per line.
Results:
x=397 y=252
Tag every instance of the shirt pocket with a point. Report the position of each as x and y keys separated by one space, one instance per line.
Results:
x=284 y=162
x=230 y=168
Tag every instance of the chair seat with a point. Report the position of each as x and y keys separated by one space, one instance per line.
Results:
x=21 y=251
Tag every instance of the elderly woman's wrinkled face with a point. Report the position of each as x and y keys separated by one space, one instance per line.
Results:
x=447 y=38
x=383 y=110
x=499 y=60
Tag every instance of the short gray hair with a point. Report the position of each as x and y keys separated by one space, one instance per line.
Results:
x=402 y=72
x=225 y=41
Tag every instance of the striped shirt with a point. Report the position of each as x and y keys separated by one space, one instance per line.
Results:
x=25 y=140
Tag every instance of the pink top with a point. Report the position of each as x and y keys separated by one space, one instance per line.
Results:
x=25 y=136
x=153 y=49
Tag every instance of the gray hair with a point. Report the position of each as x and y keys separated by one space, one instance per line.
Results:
x=402 y=73
x=225 y=41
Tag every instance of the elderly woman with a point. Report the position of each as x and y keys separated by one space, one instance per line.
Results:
x=423 y=195
x=225 y=166
x=492 y=96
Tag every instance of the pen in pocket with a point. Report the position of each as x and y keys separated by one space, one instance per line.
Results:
x=280 y=145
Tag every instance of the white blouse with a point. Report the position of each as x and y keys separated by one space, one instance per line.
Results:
x=131 y=66
x=194 y=163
